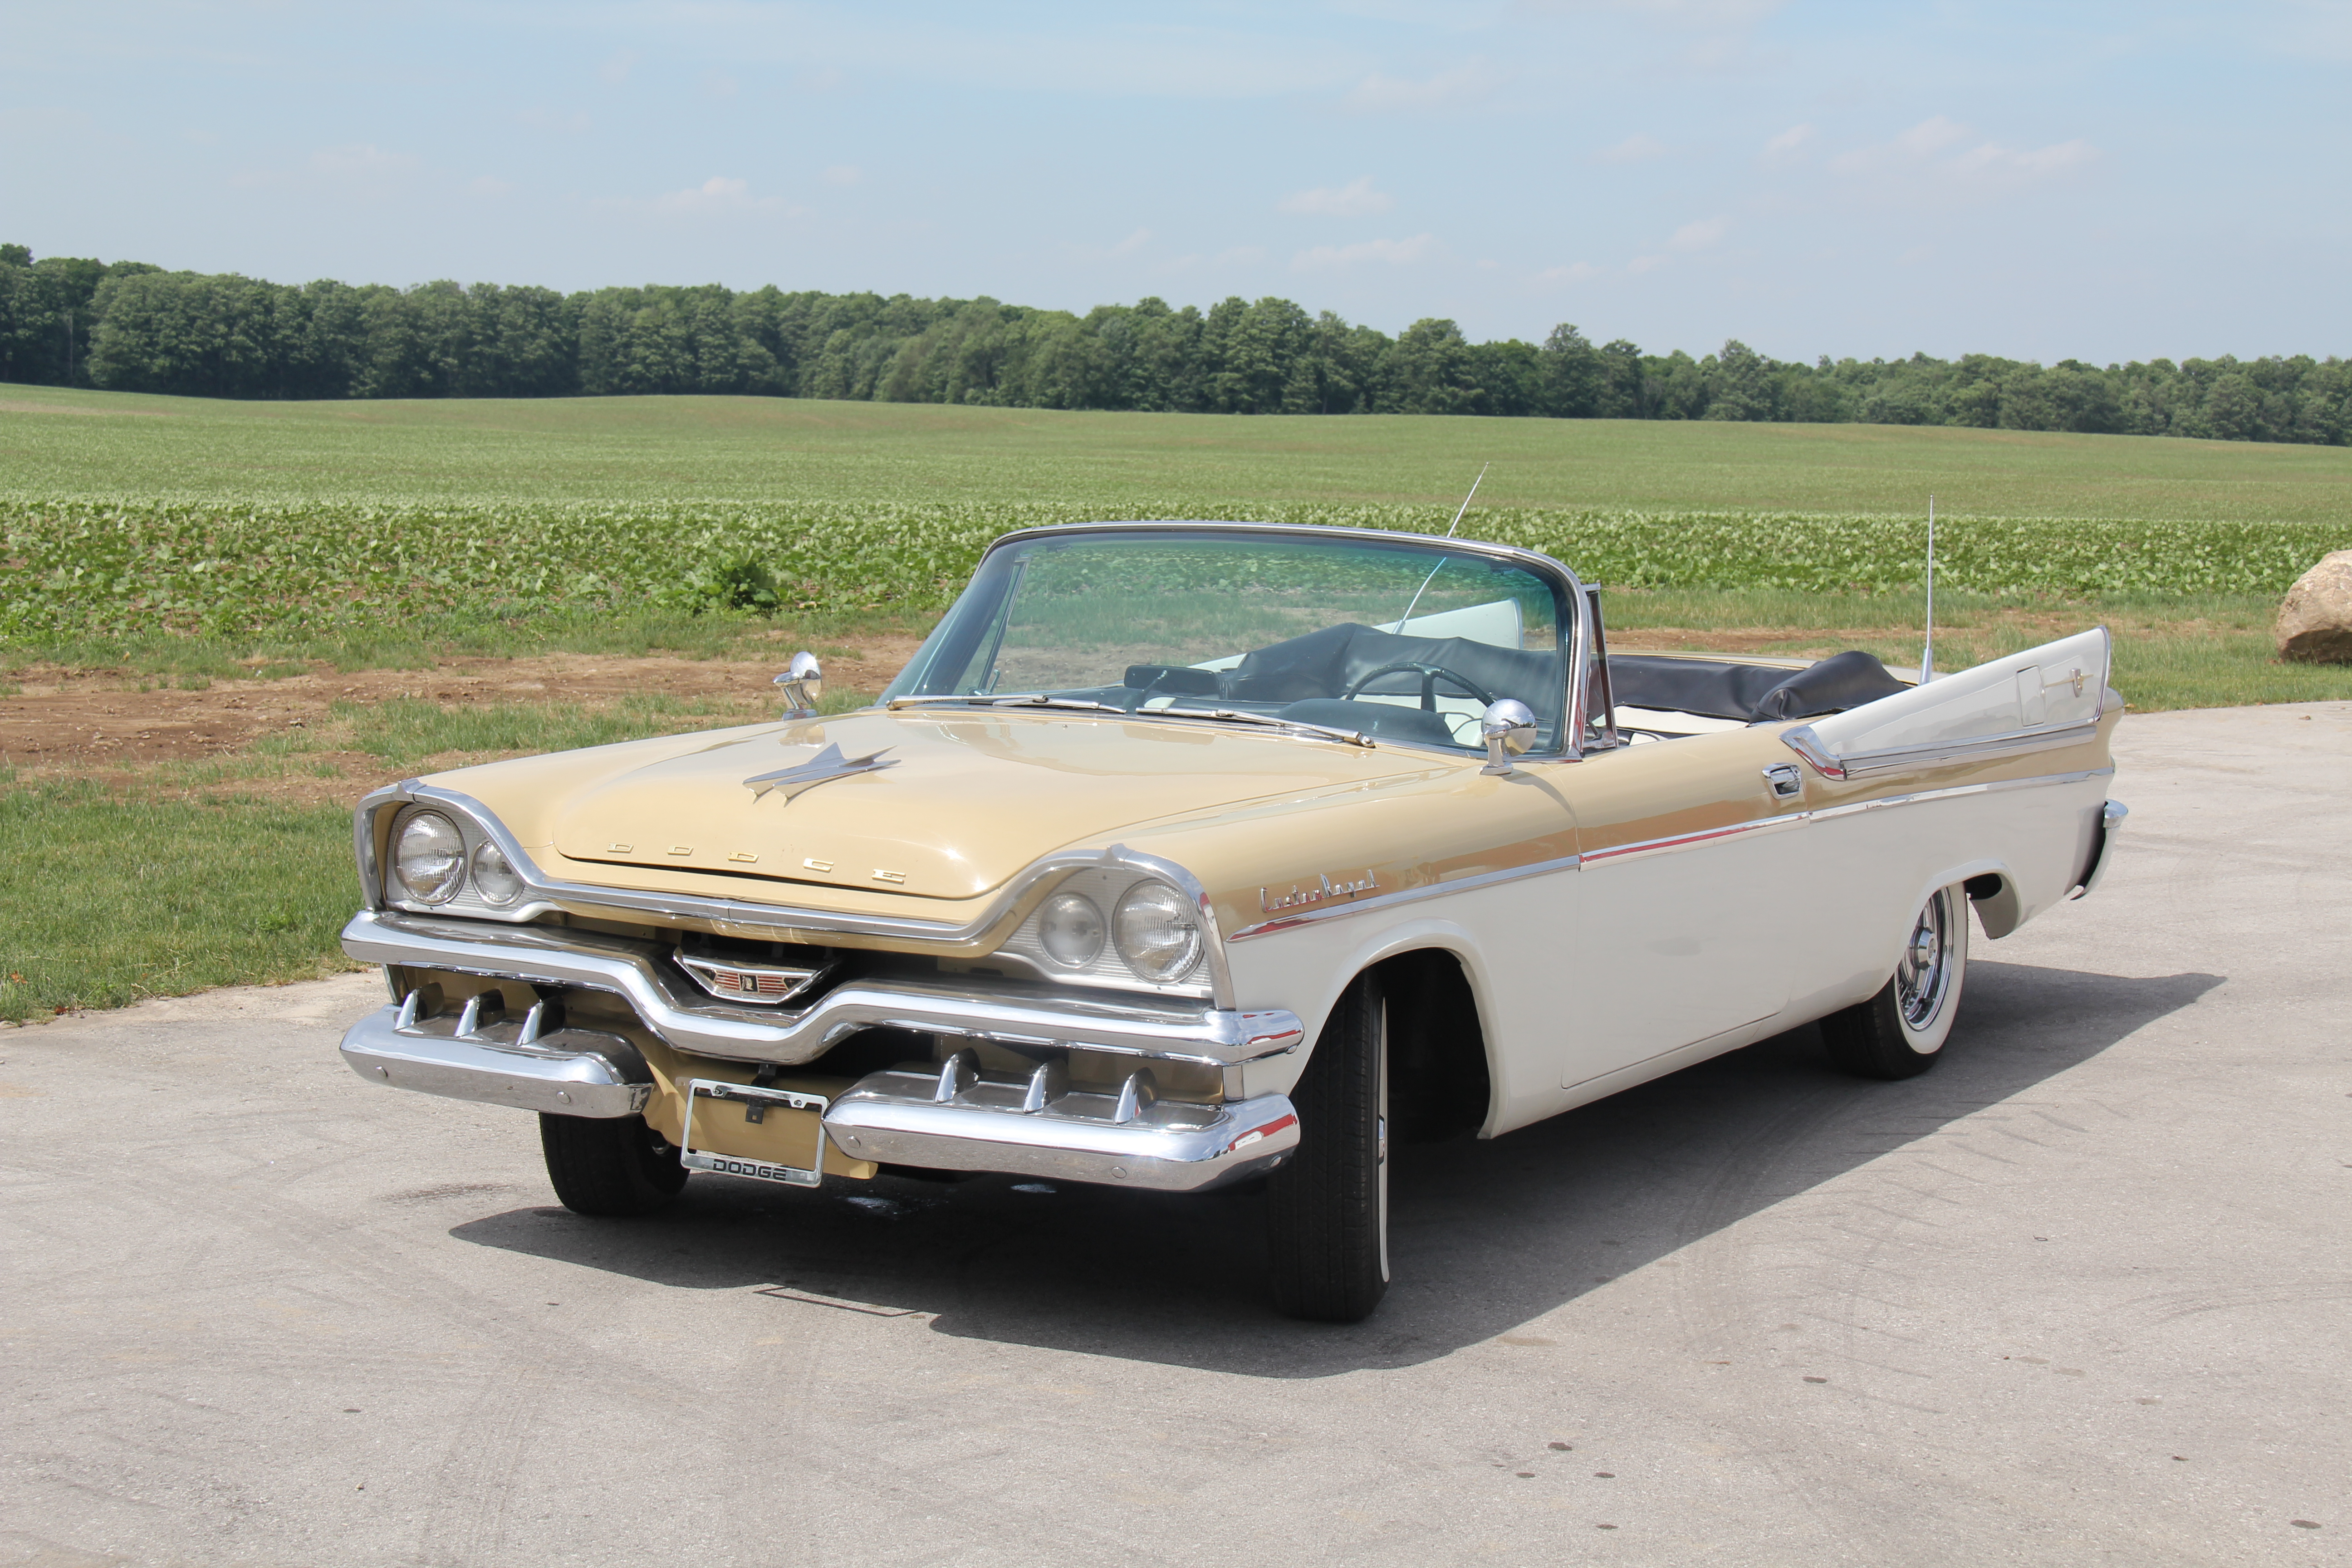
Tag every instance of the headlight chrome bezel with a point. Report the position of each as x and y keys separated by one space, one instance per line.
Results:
x=1174 y=910
x=1107 y=887
x=458 y=861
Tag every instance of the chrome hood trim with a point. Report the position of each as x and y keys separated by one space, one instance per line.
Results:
x=543 y=895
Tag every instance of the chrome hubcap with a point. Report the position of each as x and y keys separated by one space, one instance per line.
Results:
x=1920 y=977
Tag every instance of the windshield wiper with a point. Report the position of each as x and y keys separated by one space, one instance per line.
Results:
x=1088 y=705
x=1025 y=699
x=1235 y=716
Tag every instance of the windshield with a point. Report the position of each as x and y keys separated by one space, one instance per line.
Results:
x=1407 y=641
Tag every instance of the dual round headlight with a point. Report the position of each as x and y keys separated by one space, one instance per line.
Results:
x=428 y=855
x=1153 y=929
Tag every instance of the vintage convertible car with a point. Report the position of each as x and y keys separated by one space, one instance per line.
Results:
x=1187 y=854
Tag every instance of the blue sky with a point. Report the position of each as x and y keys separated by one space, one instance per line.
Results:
x=2107 y=181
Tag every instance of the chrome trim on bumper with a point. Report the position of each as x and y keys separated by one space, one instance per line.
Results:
x=566 y=1072
x=1124 y=1140
x=2111 y=818
x=1166 y=1028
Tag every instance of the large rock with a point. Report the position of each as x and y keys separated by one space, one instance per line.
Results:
x=2314 y=624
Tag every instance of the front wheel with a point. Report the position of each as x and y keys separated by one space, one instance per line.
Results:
x=1900 y=1032
x=607 y=1167
x=1328 y=1207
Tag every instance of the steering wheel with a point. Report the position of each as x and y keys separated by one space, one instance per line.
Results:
x=1430 y=674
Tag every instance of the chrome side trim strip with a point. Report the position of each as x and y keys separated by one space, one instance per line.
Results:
x=1806 y=743
x=1692 y=840
x=1404 y=896
x=1996 y=786
x=545 y=894
x=1167 y=1029
x=1656 y=845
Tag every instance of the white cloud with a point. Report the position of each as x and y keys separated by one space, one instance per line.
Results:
x=1575 y=272
x=1635 y=149
x=718 y=196
x=615 y=70
x=1921 y=151
x=719 y=84
x=1396 y=252
x=490 y=185
x=1355 y=199
x=1642 y=264
x=1127 y=247
x=1390 y=95
x=1788 y=141
x=843 y=175
x=358 y=166
x=1699 y=235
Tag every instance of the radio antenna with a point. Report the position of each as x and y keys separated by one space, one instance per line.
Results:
x=1466 y=499
x=1927 y=656
x=1433 y=570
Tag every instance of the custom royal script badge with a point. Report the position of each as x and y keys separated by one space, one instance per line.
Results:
x=1325 y=888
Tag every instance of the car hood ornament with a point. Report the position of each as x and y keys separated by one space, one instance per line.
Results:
x=823 y=768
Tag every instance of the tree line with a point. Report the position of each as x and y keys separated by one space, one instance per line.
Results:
x=132 y=327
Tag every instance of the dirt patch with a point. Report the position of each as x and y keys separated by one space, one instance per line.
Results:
x=85 y=724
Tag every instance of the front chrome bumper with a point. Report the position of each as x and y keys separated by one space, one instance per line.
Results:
x=567 y=1072
x=951 y=1118
x=900 y=1117
x=1171 y=1029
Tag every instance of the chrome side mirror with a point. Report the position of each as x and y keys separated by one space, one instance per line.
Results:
x=803 y=683
x=1508 y=728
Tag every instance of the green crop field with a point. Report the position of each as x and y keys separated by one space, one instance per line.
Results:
x=123 y=514
x=603 y=451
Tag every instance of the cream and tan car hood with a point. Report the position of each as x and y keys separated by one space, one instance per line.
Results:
x=970 y=799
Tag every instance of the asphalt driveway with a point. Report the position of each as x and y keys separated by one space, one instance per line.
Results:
x=2080 y=1296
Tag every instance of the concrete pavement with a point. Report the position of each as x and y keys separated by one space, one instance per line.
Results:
x=2079 y=1296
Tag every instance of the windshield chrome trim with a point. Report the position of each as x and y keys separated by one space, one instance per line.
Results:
x=1577 y=645
x=543 y=894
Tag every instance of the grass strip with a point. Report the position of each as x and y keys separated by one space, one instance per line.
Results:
x=107 y=898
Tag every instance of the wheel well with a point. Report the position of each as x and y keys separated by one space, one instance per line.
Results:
x=1438 y=1086
x=1994 y=897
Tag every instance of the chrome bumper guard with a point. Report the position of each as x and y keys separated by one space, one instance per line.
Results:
x=1170 y=1029
x=958 y=1120
x=953 y=1118
x=567 y=1072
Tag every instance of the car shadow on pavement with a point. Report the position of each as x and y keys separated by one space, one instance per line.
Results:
x=1484 y=1235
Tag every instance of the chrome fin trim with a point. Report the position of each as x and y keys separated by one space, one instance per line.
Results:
x=1806 y=743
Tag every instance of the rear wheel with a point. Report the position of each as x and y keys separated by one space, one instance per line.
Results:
x=609 y=1166
x=1328 y=1207
x=1900 y=1032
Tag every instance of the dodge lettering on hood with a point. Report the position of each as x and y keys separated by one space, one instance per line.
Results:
x=1184 y=854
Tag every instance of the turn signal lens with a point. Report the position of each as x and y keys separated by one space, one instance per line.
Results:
x=430 y=857
x=1071 y=929
x=1157 y=933
x=494 y=877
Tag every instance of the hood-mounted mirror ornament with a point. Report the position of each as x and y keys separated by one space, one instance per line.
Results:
x=1508 y=728
x=803 y=683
